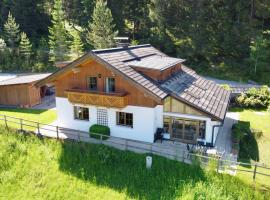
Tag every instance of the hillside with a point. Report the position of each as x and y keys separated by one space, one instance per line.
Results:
x=47 y=169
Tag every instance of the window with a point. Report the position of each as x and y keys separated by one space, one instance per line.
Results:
x=202 y=129
x=92 y=83
x=110 y=84
x=166 y=124
x=81 y=113
x=124 y=119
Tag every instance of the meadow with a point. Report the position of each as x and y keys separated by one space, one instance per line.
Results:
x=33 y=168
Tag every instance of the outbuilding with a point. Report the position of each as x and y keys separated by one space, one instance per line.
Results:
x=20 y=91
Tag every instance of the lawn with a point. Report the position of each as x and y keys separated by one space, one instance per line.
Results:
x=258 y=119
x=33 y=168
x=42 y=116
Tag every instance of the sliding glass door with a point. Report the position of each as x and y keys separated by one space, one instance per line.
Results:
x=184 y=129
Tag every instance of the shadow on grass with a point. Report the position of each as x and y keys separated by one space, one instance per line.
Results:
x=249 y=149
x=125 y=171
x=24 y=110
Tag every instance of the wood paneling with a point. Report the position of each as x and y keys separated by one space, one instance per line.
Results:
x=23 y=95
x=71 y=80
x=158 y=75
x=173 y=105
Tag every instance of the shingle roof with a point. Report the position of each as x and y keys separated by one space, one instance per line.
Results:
x=186 y=86
x=22 y=79
x=198 y=92
x=156 y=62
x=118 y=57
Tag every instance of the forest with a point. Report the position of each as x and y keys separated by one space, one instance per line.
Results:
x=222 y=38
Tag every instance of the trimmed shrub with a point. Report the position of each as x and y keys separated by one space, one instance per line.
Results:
x=254 y=98
x=99 y=129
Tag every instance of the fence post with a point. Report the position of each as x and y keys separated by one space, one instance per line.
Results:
x=125 y=144
x=79 y=136
x=57 y=132
x=5 y=117
x=255 y=170
x=218 y=165
x=183 y=156
x=21 y=125
x=38 y=128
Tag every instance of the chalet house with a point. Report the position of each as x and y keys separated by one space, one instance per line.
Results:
x=137 y=90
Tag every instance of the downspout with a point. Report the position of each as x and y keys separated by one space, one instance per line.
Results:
x=213 y=131
x=220 y=125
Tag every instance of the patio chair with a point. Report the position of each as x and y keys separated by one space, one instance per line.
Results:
x=158 y=135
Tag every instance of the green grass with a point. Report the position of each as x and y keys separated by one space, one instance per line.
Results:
x=258 y=119
x=42 y=116
x=32 y=168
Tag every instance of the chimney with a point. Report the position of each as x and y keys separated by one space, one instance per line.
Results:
x=122 y=42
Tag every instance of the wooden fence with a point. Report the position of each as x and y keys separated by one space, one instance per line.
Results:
x=170 y=151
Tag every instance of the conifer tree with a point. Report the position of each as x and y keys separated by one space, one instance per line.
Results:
x=2 y=45
x=101 y=34
x=58 y=34
x=11 y=31
x=76 y=49
x=25 y=51
x=25 y=46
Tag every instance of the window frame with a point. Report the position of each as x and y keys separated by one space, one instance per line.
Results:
x=75 y=109
x=107 y=87
x=89 y=82
x=125 y=119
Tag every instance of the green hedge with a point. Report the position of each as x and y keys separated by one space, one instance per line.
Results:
x=99 y=129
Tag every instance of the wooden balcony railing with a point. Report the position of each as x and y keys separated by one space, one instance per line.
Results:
x=118 y=100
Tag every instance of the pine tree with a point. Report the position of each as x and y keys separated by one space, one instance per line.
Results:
x=2 y=45
x=101 y=34
x=25 y=51
x=11 y=31
x=58 y=34
x=25 y=47
x=76 y=49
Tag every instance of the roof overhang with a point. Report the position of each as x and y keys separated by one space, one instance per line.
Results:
x=210 y=115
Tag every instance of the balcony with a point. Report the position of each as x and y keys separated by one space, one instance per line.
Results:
x=117 y=100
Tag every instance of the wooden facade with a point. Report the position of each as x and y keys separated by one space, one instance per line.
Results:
x=173 y=105
x=21 y=95
x=77 y=79
x=159 y=75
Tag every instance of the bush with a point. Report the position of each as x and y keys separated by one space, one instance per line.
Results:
x=238 y=132
x=255 y=98
x=100 y=130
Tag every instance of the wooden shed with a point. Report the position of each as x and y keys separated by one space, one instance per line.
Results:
x=21 y=92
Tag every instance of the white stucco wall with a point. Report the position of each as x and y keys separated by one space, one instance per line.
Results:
x=145 y=120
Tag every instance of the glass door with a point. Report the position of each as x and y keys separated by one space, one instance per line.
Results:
x=110 y=85
x=177 y=128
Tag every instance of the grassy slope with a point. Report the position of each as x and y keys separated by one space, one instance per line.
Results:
x=258 y=120
x=47 y=169
x=42 y=116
